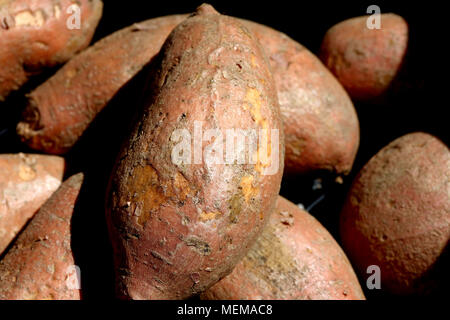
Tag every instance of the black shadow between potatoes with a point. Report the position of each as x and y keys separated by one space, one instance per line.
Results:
x=95 y=155
x=11 y=110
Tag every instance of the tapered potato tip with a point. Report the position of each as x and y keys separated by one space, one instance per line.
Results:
x=205 y=9
x=40 y=265
x=75 y=181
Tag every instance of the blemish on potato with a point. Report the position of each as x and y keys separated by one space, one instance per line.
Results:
x=148 y=191
x=27 y=18
x=26 y=173
x=235 y=206
x=195 y=277
x=287 y=218
x=70 y=73
x=206 y=216
x=262 y=155
x=185 y=220
x=254 y=62
x=198 y=245
x=161 y=257
x=57 y=10
x=181 y=186
x=248 y=190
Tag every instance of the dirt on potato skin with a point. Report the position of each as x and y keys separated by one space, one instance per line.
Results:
x=295 y=258
x=40 y=263
x=176 y=230
x=397 y=215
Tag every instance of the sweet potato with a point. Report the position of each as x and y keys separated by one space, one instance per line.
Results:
x=320 y=123
x=39 y=34
x=321 y=126
x=40 y=264
x=57 y=114
x=295 y=258
x=177 y=227
x=366 y=61
x=26 y=182
x=397 y=214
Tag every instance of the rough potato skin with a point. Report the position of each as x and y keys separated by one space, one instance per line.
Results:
x=60 y=110
x=320 y=123
x=26 y=182
x=38 y=266
x=178 y=229
x=295 y=258
x=34 y=35
x=397 y=213
x=366 y=61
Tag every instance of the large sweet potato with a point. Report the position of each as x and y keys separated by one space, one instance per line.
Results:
x=366 y=61
x=40 y=265
x=176 y=226
x=320 y=123
x=397 y=214
x=38 y=34
x=294 y=258
x=26 y=182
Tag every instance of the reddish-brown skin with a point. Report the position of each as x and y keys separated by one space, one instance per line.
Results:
x=26 y=182
x=34 y=35
x=178 y=229
x=320 y=123
x=295 y=258
x=397 y=213
x=61 y=109
x=366 y=61
x=40 y=264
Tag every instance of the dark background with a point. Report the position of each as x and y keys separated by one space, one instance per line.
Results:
x=421 y=107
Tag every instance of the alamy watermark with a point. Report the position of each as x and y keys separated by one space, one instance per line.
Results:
x=374 y=21
x=230 y=146
x=374 y=281
x=74 y=20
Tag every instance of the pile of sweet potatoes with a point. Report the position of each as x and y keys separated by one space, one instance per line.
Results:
x=172 y=144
